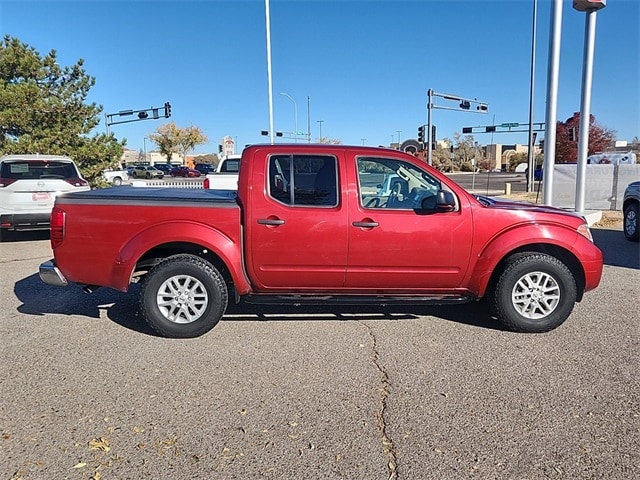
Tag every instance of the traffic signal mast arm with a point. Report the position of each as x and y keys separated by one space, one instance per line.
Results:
x=465 y=103
x=152 y=113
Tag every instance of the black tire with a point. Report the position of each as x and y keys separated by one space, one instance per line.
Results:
x=631 y=222
x=117 y=181
x=183 y=297
x=535 y=293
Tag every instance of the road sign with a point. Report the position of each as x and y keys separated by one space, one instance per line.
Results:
x=509 y=125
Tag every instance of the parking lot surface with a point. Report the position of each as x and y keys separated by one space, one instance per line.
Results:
x=284 y=393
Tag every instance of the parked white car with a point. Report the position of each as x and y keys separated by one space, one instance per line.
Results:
x=29 y=185
x=226 y=174
x=116 y=177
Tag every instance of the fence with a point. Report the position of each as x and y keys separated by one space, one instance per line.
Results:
x=169 y=182
x=604 y=189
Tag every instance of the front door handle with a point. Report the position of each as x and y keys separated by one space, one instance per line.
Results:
x=363 y=224
x=270 y=221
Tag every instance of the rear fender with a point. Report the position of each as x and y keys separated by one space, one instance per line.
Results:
x=229 y=250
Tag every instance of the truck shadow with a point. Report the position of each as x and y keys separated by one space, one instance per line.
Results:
x=616 y=249
x=122 y=308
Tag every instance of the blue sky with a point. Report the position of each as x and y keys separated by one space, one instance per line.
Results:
x=365 y=65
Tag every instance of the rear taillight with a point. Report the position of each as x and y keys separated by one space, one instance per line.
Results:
x=77 y=182
x=205 y=185
x=57 y=227
x=5 y=182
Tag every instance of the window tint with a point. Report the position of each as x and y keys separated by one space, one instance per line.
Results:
x=390 y=183
x=33 y=170
x=303 y=180
x=230 y=166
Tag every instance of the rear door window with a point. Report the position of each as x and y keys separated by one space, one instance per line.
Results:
x=304 y=180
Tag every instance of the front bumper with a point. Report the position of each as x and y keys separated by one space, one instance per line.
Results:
x=51 y=275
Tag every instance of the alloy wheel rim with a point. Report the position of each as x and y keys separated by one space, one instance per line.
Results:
x=535 y=295
x=182 y=299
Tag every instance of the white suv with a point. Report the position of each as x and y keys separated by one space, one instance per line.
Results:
x=29 y=185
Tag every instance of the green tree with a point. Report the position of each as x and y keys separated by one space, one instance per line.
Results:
x=601 y=139
x=189 y=138
x=43 y=109
x=329 y=141
x=172 y=139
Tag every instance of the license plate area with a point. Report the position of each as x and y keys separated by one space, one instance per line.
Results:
x=41 y=197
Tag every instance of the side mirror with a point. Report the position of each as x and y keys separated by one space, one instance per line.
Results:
x=445 y=202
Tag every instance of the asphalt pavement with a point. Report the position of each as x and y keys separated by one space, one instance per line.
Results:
x=286 y=393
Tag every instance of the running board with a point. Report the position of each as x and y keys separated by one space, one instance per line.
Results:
x=355 y=299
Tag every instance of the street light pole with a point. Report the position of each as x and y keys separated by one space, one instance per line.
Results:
x=295 y=114
x=320 y=123
x=531 y=156
x=590 y=8
x=269 y=81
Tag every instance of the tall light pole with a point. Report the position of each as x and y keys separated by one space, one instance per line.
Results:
x=295 y=114
x=531 y=156
x=270 y=84
x=308 y=119
x=320 y=123
x=590 y=7
x=553 y=73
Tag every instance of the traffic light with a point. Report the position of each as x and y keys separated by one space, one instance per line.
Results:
x=421 y=137
x=490 y=129
x=167 y=109
x=433 y=133
x=467 y=129
x=142 y=115
x=465 y=105
x=482 y=107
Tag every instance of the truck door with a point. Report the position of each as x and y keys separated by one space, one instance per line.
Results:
x=298 y=238
x=393 y=242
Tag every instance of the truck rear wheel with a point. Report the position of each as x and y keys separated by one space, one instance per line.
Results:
x=182 y=297
x=535 y=293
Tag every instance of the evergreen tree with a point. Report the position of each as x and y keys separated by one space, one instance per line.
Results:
x=44 y=109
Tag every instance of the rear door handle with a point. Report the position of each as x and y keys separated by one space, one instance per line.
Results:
x=371 y=224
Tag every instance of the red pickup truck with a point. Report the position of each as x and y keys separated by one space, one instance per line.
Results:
x=313 y=224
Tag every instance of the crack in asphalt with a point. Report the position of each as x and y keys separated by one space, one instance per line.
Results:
x=387 y=443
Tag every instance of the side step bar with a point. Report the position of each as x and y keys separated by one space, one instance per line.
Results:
x=355 y=299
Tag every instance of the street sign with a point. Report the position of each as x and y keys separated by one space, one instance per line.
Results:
x=509 y=125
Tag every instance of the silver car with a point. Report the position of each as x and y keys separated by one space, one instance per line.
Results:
x=29 y=185
x=630 y=209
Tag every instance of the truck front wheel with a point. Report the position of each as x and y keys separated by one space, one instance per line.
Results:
x=535 y=293
x=182 y=297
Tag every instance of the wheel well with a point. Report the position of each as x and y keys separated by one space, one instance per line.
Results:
x=160 y=252
x=629 y=201
x=560 y=253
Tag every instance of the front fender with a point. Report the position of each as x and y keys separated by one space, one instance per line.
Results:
x=535 y=237
x=228 y=249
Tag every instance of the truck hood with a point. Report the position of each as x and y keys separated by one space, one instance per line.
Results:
x=499 y=203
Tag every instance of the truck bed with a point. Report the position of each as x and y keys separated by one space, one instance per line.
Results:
x=137 y=195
